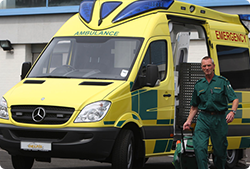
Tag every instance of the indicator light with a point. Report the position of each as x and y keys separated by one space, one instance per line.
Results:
x=183 y=8
x=203 y=11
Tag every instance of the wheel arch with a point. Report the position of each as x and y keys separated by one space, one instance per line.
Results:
x=139 y=152
x=139 y=160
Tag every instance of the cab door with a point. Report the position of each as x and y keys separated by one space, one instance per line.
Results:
x=155 y=105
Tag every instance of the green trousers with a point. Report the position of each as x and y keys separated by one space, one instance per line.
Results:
x=216 y=127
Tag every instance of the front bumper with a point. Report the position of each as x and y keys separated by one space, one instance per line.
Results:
x=79 y=143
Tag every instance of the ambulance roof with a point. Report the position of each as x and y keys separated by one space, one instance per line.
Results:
x=101 y=14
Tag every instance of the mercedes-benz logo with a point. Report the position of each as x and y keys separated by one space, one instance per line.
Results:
x=38 y=114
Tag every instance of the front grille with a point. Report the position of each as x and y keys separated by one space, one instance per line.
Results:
x=38 y=134
x=54 y=115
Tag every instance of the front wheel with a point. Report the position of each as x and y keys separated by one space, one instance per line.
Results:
x=123 y=152
x=22 y=162
x=232 y=158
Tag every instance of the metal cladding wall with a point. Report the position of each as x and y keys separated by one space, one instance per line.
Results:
x=212 y=3
x=31 y=29
x=22 y=32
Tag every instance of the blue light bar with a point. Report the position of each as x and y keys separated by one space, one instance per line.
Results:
x=86 y=9
x=109 y=7
x=245 y=20
x=142 y=6
x=245 y=17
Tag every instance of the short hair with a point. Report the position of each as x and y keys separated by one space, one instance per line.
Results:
x=206 y=58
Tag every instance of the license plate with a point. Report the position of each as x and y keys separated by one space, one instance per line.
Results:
x=35 y=146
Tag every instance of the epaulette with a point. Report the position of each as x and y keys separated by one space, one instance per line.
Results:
x=199 y=80
x=222 y=77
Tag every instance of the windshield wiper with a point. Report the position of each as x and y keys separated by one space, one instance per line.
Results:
x=52 y=76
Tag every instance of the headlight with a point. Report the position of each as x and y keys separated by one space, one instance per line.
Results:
x=93 y=112
x=3 y=109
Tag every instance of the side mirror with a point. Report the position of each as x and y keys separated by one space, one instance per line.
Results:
x=151 y=75
x=25 y=69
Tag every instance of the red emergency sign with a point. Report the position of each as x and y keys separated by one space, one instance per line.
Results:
x=230 y=36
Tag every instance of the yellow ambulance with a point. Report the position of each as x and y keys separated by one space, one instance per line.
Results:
x=114 y=83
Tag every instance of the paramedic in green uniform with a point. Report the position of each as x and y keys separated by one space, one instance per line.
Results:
x=211 y=96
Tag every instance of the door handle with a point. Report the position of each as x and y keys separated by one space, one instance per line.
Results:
x=167 y=95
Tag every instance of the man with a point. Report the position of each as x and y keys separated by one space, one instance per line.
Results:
x=211 y=96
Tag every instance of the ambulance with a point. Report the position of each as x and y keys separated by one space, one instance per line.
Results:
x=114 y=83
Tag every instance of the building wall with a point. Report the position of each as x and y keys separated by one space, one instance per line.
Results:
x=233 y=9
x=212 y=3
x=10 y=66
x=31 y=29
x=26 y=33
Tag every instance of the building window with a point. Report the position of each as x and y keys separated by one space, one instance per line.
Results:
x=64 y=2
x=9 y=4
x=234 y=63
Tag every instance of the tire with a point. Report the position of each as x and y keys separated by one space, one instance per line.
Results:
x=232 y=158
x=123 y=152
x=22 y=162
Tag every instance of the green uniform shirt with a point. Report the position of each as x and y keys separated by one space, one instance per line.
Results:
x=213 y=96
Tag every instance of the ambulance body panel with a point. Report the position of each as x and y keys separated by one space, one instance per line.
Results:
x=115 y=82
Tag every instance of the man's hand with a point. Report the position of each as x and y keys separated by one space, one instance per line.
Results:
x=186 y=125
x=230 y=117
x=192 y=113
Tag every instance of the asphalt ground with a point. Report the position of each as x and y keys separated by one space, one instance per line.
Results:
x=163 y=162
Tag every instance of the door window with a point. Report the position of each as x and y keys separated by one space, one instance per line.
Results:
x=156 y=54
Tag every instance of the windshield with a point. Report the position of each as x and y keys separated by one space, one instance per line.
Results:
x=88 y=57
